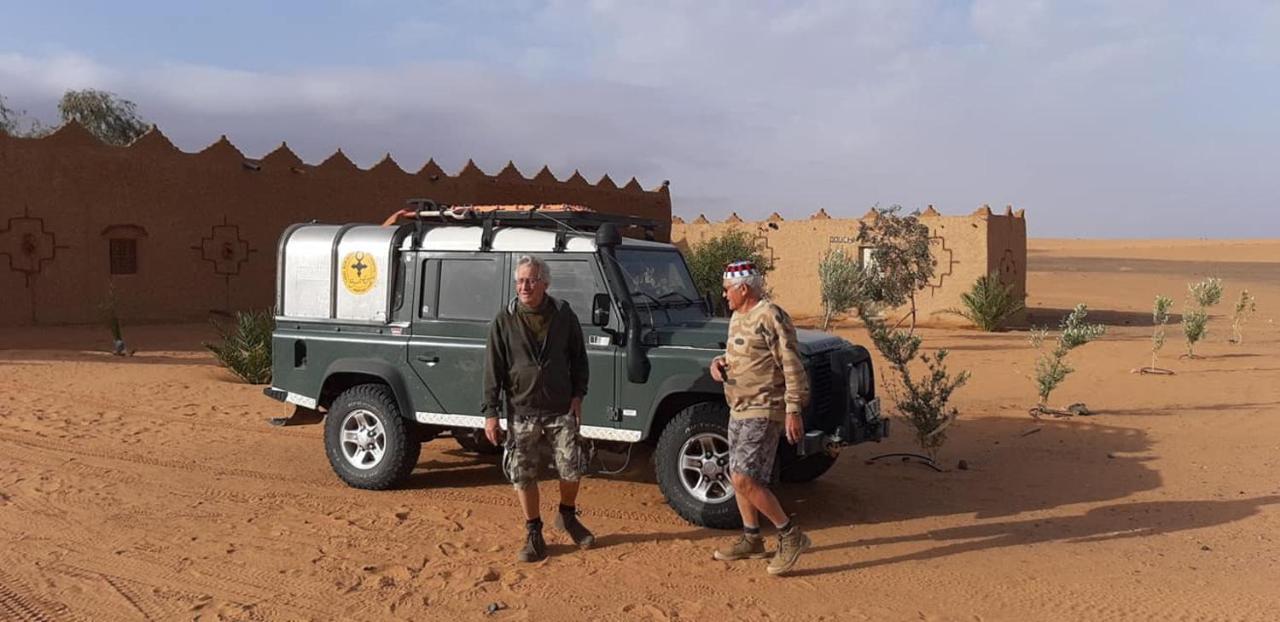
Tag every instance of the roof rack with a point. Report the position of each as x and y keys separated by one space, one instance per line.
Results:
x=430 y=213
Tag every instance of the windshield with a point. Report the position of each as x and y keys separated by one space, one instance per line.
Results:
x=658 y=277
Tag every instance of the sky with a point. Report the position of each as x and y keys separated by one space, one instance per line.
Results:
x=1116 y=119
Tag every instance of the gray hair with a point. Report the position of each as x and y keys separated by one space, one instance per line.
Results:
x=754 y=282
x=544 y=271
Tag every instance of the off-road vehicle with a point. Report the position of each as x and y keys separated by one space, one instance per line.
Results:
x=380 y=331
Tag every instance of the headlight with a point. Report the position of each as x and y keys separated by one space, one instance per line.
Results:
x=854 y=385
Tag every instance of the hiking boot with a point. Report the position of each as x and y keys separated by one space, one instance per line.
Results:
x=535 y=548
x=569 y=523
x=745 y=547
x=790 y=546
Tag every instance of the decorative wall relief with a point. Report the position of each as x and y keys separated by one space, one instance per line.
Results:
x=945 y=262
x=225 y=249
x=27 y=245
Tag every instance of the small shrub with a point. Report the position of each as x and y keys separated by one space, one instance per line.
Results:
x=1051 y=367
x=112 y=318
x=989 y=303
x=246 y=347
x=1195 y=324
x=923 y=403
x=1159 y=319
x=1246 y=306
x=843 y=283
x=707 y=259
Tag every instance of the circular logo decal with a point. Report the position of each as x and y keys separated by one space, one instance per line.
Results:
x=359 y=272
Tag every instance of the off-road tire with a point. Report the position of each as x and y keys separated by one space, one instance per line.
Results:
x=401 y=450
x=474 y=441
x=705 y=417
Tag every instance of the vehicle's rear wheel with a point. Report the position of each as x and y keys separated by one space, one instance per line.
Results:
x=692 y=464
x=474 y=441
x=369 y=444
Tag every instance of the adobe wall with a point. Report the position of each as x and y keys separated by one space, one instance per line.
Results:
x=207 y=223
x=965 y=248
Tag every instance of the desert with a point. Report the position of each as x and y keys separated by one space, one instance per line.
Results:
x=151 y=487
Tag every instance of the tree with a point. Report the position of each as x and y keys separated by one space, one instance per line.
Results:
x=1246 y=306
x=843 y=284
x=1159 y=319
x=900 y=257
x=1195 y=323
x=1052 y=368
x=707 y=259
x=112 y=119
x=12 y=122
x=923 y=403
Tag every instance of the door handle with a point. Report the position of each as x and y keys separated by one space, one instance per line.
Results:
x=430 y=360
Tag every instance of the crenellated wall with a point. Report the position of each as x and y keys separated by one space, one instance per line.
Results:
x=964 y=247
x=205 y=225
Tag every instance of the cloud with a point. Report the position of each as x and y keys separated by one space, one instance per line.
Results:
x=1099 y=118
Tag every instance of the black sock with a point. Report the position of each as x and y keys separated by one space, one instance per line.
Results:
x=786 y=528
x=568 y=510
x=754 y=532
x=533 y=524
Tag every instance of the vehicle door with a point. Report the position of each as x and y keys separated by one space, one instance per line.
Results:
x=459 y=297
x=576 y=278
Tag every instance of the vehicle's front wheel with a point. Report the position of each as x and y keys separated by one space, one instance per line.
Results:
x=692 y=463
x=369 y=444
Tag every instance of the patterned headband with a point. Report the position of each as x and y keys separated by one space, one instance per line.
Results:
x=739 y=269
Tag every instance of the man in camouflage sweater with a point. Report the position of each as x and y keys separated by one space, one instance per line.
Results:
x=766 y=386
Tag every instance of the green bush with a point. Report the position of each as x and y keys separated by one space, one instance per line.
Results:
x=1195 y=324
x=924 y=403
x=843 y=284
x=1246 y=306
x=707 y=259
x=989 y=303
x=1051 y=367
x=246 y=347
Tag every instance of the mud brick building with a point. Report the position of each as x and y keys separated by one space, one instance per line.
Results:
x=964 y=247
x=181 y=234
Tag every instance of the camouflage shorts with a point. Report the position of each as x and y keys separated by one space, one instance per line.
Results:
x=529 y=435
x=753 y=445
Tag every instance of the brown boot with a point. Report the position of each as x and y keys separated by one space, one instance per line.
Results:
x=535 y=548
x=790 y=545
x=568 y=522
x=745 y=547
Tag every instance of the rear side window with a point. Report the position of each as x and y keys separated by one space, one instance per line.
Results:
x=470 y=289
x=574 y=281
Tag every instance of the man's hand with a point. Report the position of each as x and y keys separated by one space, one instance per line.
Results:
x=795 y=428
x=575 y=409
x=718 y=369
x=491 y=430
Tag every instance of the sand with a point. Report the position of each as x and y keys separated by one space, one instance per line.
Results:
x=151 y=488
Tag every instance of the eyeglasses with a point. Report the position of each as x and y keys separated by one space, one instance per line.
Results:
x=529 y=282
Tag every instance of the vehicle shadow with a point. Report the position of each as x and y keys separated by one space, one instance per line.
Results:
x=1101 y=524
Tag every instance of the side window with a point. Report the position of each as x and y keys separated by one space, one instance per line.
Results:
x=574 y=280
x=470 y=288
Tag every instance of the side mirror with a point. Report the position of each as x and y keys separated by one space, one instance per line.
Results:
x=709 y=304
x=600 y=309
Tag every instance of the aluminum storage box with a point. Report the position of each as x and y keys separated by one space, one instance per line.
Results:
x=336 y=272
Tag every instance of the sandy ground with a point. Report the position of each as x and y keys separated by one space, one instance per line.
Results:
x=152 y=488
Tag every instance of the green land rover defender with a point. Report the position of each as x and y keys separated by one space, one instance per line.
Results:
x=380 y=330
